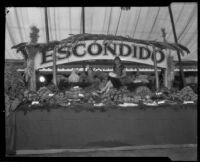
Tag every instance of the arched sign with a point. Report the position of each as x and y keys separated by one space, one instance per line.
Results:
x=90 y=50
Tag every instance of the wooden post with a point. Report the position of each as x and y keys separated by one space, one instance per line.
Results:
x=33 y=77
x=155 y=68
x=178 y=52
x=31 y=51
x=54 y=67
x=165 y=82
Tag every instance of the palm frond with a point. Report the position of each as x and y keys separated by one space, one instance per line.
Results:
x=184 y=48
x=166 y=45
x=178 y=48
x=19 y=45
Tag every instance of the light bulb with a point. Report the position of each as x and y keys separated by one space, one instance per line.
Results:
x=42 y=79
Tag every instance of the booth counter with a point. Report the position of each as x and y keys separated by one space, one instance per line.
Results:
x=80 y=127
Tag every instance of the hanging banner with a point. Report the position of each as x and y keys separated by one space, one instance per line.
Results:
x=90 y=50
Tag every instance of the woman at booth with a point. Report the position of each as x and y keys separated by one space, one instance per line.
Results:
x=114 y=79
x=119 y=72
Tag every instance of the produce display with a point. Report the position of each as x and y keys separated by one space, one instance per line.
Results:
x=142 y=95
x=187 y=94
x=120 y=97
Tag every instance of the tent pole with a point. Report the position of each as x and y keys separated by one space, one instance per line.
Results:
x=178 y=52
x=46 y=25
x=83 y=20
x=54 y=52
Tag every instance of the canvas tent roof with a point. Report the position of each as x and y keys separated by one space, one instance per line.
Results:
x=138 y=22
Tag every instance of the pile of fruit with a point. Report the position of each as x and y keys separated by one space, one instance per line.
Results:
x=143 y=92
x=122 y=95
x=52 y=88
x=187 y=94
x=91 y=98
x=74 y=93
x=43 y=93
x=94 y=99
x=60 y=99
x=30 y=96
x=108 y=98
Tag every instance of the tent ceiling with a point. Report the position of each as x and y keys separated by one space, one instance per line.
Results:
x=138 y=22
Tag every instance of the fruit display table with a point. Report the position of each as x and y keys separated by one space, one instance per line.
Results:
x=65 y=128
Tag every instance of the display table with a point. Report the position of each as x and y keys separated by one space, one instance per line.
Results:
x=64 y=128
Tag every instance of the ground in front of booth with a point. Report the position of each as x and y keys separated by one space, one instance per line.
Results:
x=175 y=154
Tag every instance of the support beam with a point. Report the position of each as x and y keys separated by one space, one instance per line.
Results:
x=178 y=52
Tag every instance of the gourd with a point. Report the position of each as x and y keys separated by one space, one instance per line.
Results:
x=73 y=78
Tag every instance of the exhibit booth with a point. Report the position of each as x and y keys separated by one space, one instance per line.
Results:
x=90 y=111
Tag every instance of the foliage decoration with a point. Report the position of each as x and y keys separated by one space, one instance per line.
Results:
x=13 y=82
x=14 y=87
x=71 y=40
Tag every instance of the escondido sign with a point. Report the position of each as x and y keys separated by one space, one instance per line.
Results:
x=90 y=50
